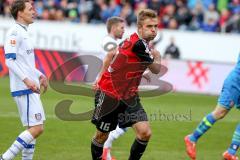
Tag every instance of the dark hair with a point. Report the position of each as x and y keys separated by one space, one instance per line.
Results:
x=17 y=5
x=145 y=13
x=112 y=21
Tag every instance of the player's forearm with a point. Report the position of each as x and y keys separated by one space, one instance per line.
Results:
x=106 y=64
x=156 y=65
x=13 y=66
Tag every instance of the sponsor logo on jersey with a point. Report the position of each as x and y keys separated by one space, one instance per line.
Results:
x=29 y=51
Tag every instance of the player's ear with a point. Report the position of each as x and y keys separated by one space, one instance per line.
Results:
x=20 y=14
x=139 y=25
x=139 y=30
x=113 y=29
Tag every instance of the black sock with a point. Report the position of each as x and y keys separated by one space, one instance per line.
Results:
x=96 y=149
x=137 y=149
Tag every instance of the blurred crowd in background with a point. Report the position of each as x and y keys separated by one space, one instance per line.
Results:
x=202 y=15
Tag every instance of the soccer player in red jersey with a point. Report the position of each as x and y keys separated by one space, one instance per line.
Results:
x=116 y=100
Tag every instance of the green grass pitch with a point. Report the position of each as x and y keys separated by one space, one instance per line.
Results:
x=67 y=140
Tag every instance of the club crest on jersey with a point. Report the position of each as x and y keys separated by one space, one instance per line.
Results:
x=38 y=116
x=13 y=42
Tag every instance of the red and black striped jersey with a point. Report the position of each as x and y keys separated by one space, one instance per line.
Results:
x=123 y=76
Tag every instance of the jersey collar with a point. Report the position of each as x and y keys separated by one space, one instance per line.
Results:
x=111 y=36
x=23 y=26
x=140 y=37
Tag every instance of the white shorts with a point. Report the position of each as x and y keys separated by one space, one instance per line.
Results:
x=30 y=109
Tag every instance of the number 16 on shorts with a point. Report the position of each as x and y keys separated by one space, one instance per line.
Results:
x=105 y=126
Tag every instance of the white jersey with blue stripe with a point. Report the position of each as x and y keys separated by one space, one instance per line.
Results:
x=20 y=59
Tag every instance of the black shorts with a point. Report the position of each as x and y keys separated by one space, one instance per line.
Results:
x=110 y=112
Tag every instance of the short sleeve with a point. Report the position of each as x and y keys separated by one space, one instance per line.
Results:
x=142 y=51
x=109 y=44
x=11 y=45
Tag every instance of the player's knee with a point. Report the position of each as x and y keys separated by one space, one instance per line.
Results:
x=101 y=137
x=220 y=113
x=36 y=130
x=40 y=130
x=144 y=134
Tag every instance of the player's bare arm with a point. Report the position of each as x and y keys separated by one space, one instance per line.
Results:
x=156 y=65
x=146 y=75
x=106 y=63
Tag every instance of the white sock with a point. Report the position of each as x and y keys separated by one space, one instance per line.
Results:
x=18 y=145
x=109 y=157
x=113 y=136
x=27 y=153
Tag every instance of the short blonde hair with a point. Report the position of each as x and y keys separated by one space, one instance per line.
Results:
x=145 y=13
x=112 y=21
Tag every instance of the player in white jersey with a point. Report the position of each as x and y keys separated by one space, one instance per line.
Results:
x=115 y=29
x=25 y=81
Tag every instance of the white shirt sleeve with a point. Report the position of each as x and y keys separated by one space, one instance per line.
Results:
x=39 y=73
x=11 y=49
x=108 y=44
x=13 y=66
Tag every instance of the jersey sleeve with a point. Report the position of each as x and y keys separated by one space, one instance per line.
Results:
x=39 y=73
x=109 y=44
x=11 y=50
x=11 y=44
x=142 y=51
